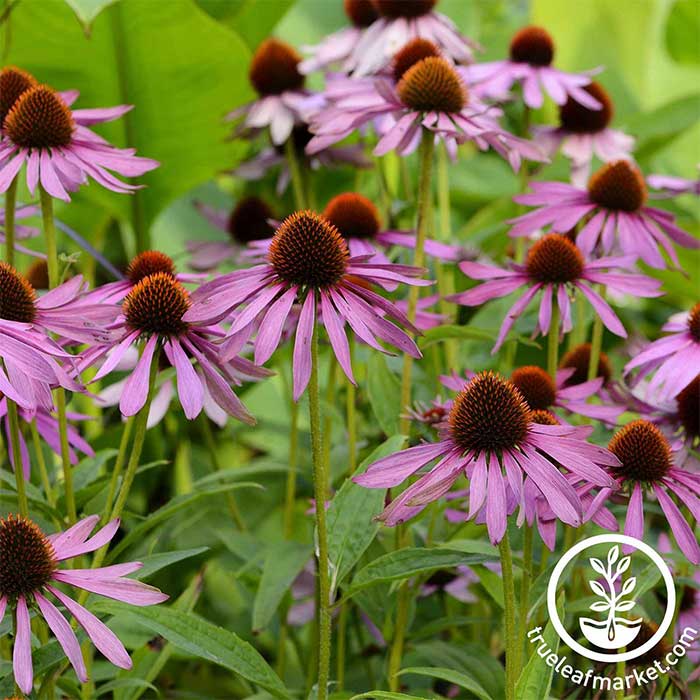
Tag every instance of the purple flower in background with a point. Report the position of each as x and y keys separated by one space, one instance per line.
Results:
x=308 y=262
x=490 y=430
x=59 y=150
x=29 y=572
x=674 y=359
x=672 y=186
x=584 y=133
x=22 y=232
x=555 y=266
x=530 y=65
x=612 y=212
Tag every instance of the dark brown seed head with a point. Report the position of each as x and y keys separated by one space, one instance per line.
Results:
x=689 y=598
x=404 y=8
x=274 y=68
x=554 y=259
x=37 y=274
x=489 y=414
x=536 y=386
x=17 y=296
x=694 y=322
x=156 y=305
x=353 y=215
x=13 y=82
x=643 y=450
x=618 y=185
x=309 y=251
x=39 y=119
x=360 y=12
x=657 y=653
x=149 y=263
x=249 y=220
x=544 y=418
x=412 y=52
x=580 y=119
x=432 y=85
x=532 y=45
x=27 y=559
x=688 y=402
x=579 y=358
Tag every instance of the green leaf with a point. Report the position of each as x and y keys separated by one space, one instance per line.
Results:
x=682 y=27
x=472 y=547
x=283 y=562
x=201 y=638
x=87 y=10
x=351 y=527
x=440 y=333
x=126 y=683
x=446 y=674
x=159 y=561
x=492 y=583
x=384 y=394
x=385 y=695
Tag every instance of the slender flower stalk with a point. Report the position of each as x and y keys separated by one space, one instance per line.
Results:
x=596 y=343
x=296 y=175
x=10 y=205
x=553 y=344
x=351 y=416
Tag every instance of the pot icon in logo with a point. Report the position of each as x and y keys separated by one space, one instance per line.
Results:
x=614 y=591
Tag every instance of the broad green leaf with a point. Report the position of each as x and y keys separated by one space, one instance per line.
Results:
x=121 y=683
x=87 y=10
x=463 y=680
x=384 y=394
x=439 y=333
x=351 y=527
x=472 y=547
x=201 y=638
x=492 y=583
x=682 y=32
x=156 y=562
x=283 y=562
x=385 y=695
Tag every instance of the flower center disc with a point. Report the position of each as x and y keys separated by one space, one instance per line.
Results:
x=580 y=119
x=688 y=598
x=149 y=263
x=694 y=322
x=17 y=296
x=249 y=221
x=13 y=82
x=37 y=274
x=643 y=450
x=27 y=559
x=579 y=358
x=554 y=259
x=432 y=85
x=156 y=305
x=360 y=12
x=618 y=185
x=404 y=8
x=353 y=215
x=274 y=68
x=536 y=386
x=309 y=251
x=544 y=418
x=39 y=119
x=489 y=414
x=689 y=408
x=412 y=52
x=532 y=45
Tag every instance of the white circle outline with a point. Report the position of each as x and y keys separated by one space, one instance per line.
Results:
x=602 y=539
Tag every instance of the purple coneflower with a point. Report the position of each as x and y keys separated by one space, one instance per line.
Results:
x=490 y=430
x=59 y=150
x=555 y=267
x=672 y=186
x=647 y=463
x=29 y=573
x=399 y=23
x=584 y=133
x=22 y=232
x=613 y=211
x=530 y=64
x=674 y=359
x=308 y=262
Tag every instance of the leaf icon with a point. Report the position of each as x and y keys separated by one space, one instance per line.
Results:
x=623 y=565
x=613 y=554
x=599 y=606
x=598 y=589
x=628 y=585
x=625 y=606
x=598 y=566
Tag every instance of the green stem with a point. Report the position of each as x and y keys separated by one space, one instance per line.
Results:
x=509 y=615
x=596 y=343
x=22 y=503
x=321 y=489
x=553 y=343
x=351 y=417
x=10 y=205
x=300 y=201
x=400 y=627
x=427 y=147
x=41 y=461
x=524 y=595
x=117 y=469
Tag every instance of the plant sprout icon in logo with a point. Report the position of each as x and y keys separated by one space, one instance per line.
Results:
x=613 y=632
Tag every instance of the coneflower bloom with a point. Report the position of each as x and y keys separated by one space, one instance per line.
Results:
x=308 y=262
x=30 y=576
x=399 y=23
x=22 y=232
x=430 y=95
x=489 y=431
x=336 y=48
x=555 y=267
x=674 y=359
x=672 y=186
x=613 y=214
x=61 y=152
x=152 y=313
x=584 y=133
x=250 y=220
x=647 y=462
x=13 y=83
x=530 y=65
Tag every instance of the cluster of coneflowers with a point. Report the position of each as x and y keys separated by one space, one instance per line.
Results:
x=404 y=79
